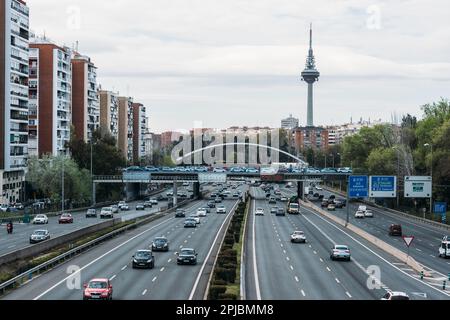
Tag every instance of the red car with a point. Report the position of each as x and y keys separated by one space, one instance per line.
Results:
x=65 y=218
x=98 y=289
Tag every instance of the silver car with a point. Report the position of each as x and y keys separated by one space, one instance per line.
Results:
x=39 y=236
x=340 y=251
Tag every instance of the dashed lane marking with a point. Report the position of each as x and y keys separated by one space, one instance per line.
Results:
x=162 y=269
x=144 y=292
x=112 y=278
x=348 y=294
x=296 y=279
x=123 y=268
x=154 y=279
x=329 y=270
x=303 y=293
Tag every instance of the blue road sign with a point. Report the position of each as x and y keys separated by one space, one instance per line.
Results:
x=383 y=186
x=358 y=187
x=441 y=207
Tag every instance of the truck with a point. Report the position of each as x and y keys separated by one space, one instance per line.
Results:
x=293 y=208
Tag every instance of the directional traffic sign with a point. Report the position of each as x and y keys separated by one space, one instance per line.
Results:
x=408 y=240
x=358 y=187
x=383 y=186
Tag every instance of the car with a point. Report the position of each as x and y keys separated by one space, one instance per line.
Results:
x=395 y=295
x=284 y=199
x=293 y=208
x=125 y=207
x=368 y=213
x=106 y=212
x=298 y=237
x=98 y=289
x=40 y=219
x=185 y=184
x=148 y=204
x=91 y=213
x=319 y=188
x=277 y=192
x=4 y=207
x=221 y=209
x=359 y=214
x=219 y=170
x=444 y=248
x=121 y=203
x=115 y=208
x=169 y=193
x=272 y=200
x=160 y=244
x=332 y=197
x=274 y=210
x=395 y=230
x=180 y=213
x=154 y=202
x=201 y=212
x=161 y=198
x=339 y=203
x=236 y=195
x=19 y=206
x=65 y=218
x=12 y=210
x=331 y=207
x=140 y=206
x=281 y=212
x=190 y=223
x=143 y=259
x=182 y=195
x=39 y=236
x=208 y=209
x=218 y=200
x=362 y=208
x=324 y=203
x=195 y=217
x=187 y=256
x=340 y=251
x=259 y=212
x=211 y=204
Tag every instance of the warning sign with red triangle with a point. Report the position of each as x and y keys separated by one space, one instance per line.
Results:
x=408 y=240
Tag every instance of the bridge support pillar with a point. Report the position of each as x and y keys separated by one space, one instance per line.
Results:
x=300 y=190
x=196 y=190
x=175 y=193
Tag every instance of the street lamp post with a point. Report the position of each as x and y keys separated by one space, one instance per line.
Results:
x=431 y=173
x=398 y=175
x=62 y=185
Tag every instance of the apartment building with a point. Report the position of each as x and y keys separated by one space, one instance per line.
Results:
x=14 y=68
x=139 y=130
x=55 y=96
x=109 y=112
x=126 y=127
x=85 y=99
x=289 y=123
x=33 y=104
x=310 y=137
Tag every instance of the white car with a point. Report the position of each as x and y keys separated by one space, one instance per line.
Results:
x=298 y=237
x=106 y=212
x=154 y=201
x=362 y=208
x=195 y=217
x=259 y=212
x=359 y=214
x=221 y=209
x=368 y=214
x=121 y=204
x=201 y=212
x=444 y=249
x=219 y=170
x=3 y=207
x=395 y=295
x=319 y=188
x=40 y=219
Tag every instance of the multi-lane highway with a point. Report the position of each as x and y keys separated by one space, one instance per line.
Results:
x=278 y=269
x=113 y=259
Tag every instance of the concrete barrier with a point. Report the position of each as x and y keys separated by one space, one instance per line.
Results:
x=410 y=261
x=35 y=249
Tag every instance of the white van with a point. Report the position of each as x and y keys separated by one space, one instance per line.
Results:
x=362 y=208
x=444 y=249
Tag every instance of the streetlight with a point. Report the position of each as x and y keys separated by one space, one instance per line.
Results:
x=62 y=185
x=431 y=173
x=398 y=174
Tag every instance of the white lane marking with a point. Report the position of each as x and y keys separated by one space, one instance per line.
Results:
x=189 y=237
x=112 y=278
x=287 y=258
x=181 y=247
x=185 y=241
x=296 y=279
x=144 y=292
x=284 y=251
x=418 y=250
x=197 y=280
x=123 y=268
x=154 y=279
x=10 y=247
x=303 y=293
x=292 y=268
x=281 y=245
x=315 y=252
x=329 y=270
x=100 y=257
x=348 y=294
x=337 y=280
x=321 y=260
x=162 y=269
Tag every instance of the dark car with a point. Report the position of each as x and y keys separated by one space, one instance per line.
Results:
x=143 y=259
x=211 y=204
x=65 y=218
x=187 y=256
x=339 y=203
x=161 y=198
x=281 y=212
x=91 y=213
x=140 y=206
x=325 y=203
x=272 y=200
x=395 y=230
x=180 y=213
x=148 y=204
x=160 y=244
x=98 y=289
x=332 y=197
x=190 y=223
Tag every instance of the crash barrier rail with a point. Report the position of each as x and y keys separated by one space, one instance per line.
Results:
x=396 y=212
x=28 y=275
x=372 y=239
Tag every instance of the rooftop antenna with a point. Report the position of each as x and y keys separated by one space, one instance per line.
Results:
x=76 y=46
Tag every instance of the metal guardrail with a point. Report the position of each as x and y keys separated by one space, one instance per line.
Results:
x=28 y=275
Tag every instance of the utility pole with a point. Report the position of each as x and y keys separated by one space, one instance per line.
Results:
x=62 y=185
x=92 y=179
x=431 y=173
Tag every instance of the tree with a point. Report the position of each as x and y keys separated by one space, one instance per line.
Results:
x=382 y=161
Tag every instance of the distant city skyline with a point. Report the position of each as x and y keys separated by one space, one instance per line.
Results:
x=231 y=63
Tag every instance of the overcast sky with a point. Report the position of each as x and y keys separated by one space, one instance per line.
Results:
x=238 y=62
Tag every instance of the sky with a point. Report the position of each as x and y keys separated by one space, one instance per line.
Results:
x=220 y=63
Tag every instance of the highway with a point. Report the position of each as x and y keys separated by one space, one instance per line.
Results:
x=113 y=260
x=277 y=269
x=19 y=239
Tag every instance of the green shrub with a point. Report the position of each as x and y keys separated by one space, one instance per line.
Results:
x=227 y=296
x=214 y=291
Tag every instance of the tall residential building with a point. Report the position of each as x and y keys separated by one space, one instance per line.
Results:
x=14 y=55
x=139 y=130
x=310 y=137
x=54 y=99
x=148 y=143
x=85 y=100
x=109 y=113
x=289 y=123
x=33 y=104
x=126 y=127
